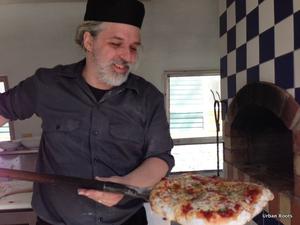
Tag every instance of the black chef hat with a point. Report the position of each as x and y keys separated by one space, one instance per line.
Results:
x=120 y=11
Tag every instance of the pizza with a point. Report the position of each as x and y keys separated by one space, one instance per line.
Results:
x=192 y=199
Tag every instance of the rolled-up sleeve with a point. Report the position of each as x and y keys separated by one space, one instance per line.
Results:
x=19 y=102
x=158 y=139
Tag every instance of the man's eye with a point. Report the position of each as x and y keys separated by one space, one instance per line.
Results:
x=133 y=49
x=115 y=44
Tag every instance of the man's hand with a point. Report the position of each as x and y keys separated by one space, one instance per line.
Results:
x=105 y=198
x=151 y=171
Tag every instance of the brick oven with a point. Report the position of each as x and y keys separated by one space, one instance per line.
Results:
x=262 y=144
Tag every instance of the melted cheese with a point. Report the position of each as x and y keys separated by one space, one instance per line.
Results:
x=195 y=198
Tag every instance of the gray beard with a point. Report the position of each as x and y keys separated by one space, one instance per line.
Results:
x=105 y=75
x=112 y=79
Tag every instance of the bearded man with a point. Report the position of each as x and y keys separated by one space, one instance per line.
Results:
x=98 y=121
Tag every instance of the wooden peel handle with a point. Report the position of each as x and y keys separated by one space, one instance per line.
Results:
x=27 y=175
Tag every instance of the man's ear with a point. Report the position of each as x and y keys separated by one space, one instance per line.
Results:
x=88 y=41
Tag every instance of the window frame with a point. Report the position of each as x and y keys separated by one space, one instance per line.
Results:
x=4 y=79
x=180 y=73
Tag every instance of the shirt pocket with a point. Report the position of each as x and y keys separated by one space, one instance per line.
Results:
x=62 y=125
x=127 y=133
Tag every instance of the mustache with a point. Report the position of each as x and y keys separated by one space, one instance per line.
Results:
x=123 y=63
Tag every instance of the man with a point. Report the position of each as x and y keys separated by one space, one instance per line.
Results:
x=98 y=120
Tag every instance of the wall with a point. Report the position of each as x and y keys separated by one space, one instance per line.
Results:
x=176 y=34
x=179 y=35
x=260 y=41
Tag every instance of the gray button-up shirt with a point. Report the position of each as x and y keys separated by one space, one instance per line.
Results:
x=86 y=138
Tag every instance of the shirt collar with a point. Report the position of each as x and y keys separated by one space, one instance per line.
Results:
x=75 y=71
x=131 y=83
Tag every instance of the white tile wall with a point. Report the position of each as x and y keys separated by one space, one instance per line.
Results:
x=266 y=20
x=241 y=80
x=253 y=52
x=296 y=5
x=231 y=62
x=223 y=45
x=224 y=88
x=297 y=67
x=231 y=16
x=250 y=5
x=267 y=71
x=284 y=36
x=241 y=32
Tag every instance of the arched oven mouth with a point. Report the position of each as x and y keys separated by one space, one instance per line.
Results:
x=259 y=131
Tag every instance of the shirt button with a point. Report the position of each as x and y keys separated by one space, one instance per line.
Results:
x=96 y=132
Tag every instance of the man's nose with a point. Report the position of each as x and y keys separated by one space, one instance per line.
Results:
x=127 y=55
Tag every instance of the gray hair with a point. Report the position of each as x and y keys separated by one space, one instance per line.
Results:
x=93 y=27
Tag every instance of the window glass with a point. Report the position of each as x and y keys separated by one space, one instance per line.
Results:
x=192 y=106
x=5 y=130
x=197 y=157
x=2 y=86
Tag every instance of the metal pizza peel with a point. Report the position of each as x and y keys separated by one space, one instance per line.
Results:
x=132 y=191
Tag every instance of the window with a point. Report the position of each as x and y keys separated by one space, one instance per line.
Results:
x=6 y=131
x=190 y=110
